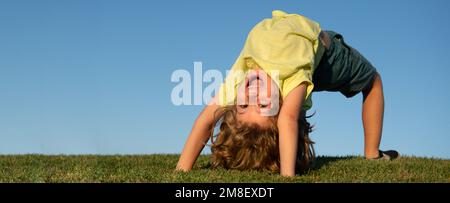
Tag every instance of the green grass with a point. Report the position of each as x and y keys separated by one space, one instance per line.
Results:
x=159 y=168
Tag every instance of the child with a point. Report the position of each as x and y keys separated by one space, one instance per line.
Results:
x=261 y=107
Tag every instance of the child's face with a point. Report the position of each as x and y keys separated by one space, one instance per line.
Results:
x=258 y=98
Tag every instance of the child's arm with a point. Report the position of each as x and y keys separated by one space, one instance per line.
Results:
x=288 y=129
x=200 y=133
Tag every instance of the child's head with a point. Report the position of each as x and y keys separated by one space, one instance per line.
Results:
x=258 y=99
x=250 y=146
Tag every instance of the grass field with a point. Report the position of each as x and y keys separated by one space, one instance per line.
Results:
x=159 y=168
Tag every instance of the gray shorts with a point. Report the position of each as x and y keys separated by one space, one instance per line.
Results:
x=342 y=68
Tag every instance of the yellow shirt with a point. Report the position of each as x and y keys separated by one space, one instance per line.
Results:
x=287 y=45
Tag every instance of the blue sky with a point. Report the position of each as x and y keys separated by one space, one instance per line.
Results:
x=93 y=77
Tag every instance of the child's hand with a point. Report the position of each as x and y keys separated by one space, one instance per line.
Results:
x=181 y=169
x=200 y=133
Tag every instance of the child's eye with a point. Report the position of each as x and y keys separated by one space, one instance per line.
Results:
x=243 y=106
x=263 y=105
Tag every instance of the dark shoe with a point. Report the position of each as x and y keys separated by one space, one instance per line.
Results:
x=387 y=155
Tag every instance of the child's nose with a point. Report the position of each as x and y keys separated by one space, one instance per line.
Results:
x=253 y=92
x=254 y=108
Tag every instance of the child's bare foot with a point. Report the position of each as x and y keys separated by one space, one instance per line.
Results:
x=387 y=155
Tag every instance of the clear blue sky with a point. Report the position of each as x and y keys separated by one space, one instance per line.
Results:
x=93 y=76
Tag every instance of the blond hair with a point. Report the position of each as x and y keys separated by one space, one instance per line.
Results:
x=244 y=146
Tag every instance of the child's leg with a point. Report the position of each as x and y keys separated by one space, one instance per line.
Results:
x=344 y=69
x=372 y=116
